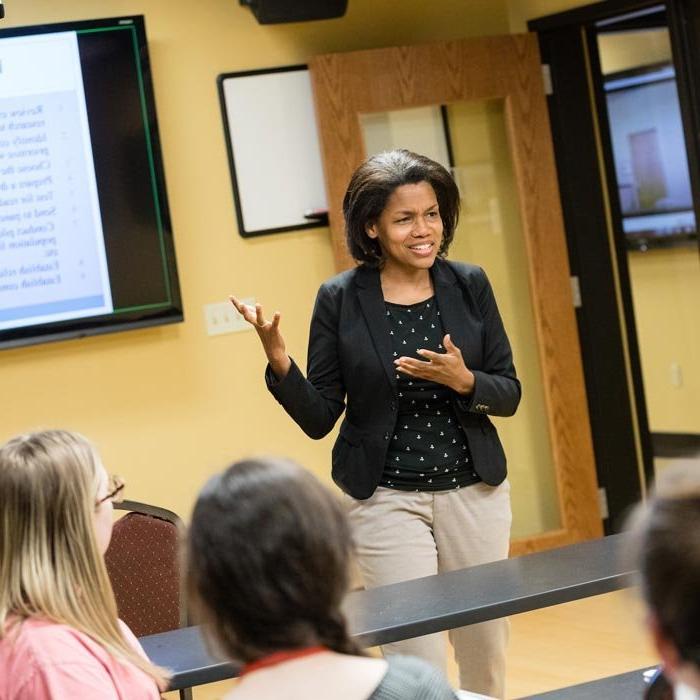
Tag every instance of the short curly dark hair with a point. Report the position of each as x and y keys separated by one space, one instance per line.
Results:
x=373 y=183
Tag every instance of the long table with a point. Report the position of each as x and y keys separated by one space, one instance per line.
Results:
x=433 y=603
x=625 y=686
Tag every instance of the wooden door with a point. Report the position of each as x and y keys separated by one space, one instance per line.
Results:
x=503 y=70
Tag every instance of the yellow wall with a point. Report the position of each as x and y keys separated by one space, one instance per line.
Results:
x=623 y=50
x=168 y=406
x=666 y=290
x=520 y=11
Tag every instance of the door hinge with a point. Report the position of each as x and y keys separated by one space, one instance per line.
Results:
x=576 y=291
x=603 y=503
x=547 y=79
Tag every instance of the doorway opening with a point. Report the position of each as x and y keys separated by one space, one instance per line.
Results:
x=621 y=108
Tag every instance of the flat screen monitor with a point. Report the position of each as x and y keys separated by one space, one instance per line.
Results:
x=86 y=244
x=650 y=160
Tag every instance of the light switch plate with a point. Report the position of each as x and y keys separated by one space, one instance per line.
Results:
x=222 y=317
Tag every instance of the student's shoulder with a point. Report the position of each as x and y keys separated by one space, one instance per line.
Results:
x=411 y=677
x=33 y=649
x=131 y=638
x=43 y=640
x=412 y=667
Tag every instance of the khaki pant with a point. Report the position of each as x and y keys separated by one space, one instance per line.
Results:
x=401 y=535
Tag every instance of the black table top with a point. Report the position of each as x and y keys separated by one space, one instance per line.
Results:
x=626 y=686
x=464 y=597
x=434 y=603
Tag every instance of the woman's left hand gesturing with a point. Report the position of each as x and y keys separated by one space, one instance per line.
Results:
x=446 y=368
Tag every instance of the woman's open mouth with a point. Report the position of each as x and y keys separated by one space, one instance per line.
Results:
x=422 y=249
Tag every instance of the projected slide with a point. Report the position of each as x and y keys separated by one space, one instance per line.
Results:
x=53 y=265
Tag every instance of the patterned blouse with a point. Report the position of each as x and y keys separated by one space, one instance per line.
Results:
x=429 y=450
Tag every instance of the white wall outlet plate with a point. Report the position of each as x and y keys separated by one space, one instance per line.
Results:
x=222 y=317
x=676 y=375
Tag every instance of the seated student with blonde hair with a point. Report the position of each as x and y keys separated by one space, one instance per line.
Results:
x=666 y=531
x=268 y=568
x=59 y=633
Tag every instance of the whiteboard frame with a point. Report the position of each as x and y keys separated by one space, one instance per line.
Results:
x=227 y=114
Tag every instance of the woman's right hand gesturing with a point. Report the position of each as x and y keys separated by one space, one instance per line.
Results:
x=269 y=334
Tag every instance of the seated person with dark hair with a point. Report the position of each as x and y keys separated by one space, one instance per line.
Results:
x=667 y=532
x=268 y=568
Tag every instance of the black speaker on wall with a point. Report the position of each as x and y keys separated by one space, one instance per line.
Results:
x=278 y=11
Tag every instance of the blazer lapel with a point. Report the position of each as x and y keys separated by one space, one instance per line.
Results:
x=453 y=310
x=372 y=305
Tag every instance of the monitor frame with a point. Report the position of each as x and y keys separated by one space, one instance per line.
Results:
x=133 y=319
x=645 y=240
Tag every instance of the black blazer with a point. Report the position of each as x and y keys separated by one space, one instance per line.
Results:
x=350 y=355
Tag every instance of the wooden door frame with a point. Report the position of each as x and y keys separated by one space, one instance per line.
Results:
x=489 y=68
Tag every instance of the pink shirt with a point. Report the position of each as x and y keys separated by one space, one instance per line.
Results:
x=48 y=661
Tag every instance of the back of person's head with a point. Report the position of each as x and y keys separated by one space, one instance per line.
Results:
x=268 y=560
x=667 y=546
x=51 y=566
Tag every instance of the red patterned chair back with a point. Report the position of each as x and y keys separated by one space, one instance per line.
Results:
x=143 y=562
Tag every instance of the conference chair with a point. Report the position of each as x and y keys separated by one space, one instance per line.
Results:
x=143 y=562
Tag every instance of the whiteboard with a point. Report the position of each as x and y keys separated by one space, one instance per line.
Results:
x=273 y=149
